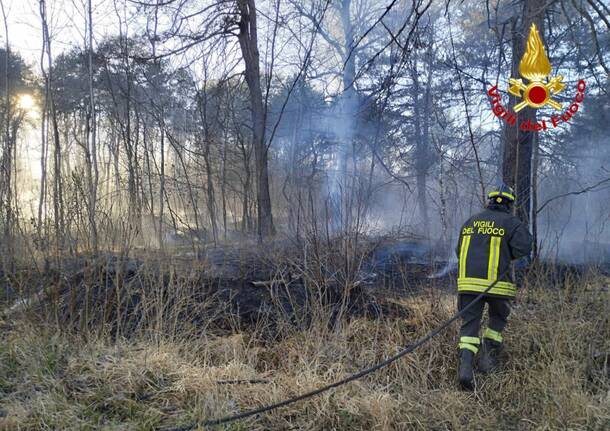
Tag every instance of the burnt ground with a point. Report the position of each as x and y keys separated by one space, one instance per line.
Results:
x=237 y=287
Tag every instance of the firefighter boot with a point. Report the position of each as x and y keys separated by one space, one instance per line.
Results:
x=488 y=357
x=465 y=374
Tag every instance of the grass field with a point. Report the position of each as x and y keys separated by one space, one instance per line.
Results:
x=555 y=376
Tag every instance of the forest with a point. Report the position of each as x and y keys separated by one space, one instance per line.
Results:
x=209 y=206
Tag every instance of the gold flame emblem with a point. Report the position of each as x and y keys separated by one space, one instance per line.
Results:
x=535 y=67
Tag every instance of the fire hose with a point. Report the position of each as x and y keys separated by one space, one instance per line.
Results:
x=408 y=349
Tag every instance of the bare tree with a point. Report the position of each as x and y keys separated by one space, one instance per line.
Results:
x=58 y=203
x=248 y=42
x=92 y=135
x=8 y=152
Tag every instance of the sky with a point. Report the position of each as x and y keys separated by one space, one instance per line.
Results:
x=67 y=25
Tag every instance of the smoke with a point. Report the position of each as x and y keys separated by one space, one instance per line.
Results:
x=339 y=191
x=574 y=226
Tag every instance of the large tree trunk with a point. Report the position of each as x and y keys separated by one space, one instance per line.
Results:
x=518 y=144
x=248 y=42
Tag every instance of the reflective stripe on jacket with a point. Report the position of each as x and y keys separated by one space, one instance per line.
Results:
x=488 y=242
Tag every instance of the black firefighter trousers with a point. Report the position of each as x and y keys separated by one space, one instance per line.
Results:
x=499 y=309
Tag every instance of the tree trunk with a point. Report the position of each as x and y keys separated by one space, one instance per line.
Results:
x=248 y=42
x=223 y=186
x=536 y=159
x=421 y=121
x=518 y=144
x=58 y=207
x=92 y=129
x=161 y=188
x=7 y=151
x=246 y=224
x=348 y=111
x=206 y=144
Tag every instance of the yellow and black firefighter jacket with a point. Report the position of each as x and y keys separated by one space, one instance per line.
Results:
x=488 y=242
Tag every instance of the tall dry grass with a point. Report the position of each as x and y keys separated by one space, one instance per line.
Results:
x=555 y=375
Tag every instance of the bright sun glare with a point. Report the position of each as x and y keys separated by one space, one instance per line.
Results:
x=26 y=102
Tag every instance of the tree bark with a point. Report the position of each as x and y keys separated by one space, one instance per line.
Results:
x=58 y=206
x=518 y=144
x=348 y=111
x=206 y=144
x=536 y=160
x=92 y=138
x=7 y=151
x=421 y=123
x=248 y=42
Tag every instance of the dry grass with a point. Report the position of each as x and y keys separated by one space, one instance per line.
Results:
x=556 y=375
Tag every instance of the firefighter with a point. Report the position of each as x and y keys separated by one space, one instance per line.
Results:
x=488 y=242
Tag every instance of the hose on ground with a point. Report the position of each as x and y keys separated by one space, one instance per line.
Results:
x=408 y=349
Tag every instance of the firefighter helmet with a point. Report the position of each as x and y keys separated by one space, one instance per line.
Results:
x=502 y=192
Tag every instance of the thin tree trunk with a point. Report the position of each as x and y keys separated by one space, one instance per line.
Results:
x=207 y=138
x=57 y=178
x=44 y=132
x=246 y=224
x=421 y=162
x=223 y=186
x=535 y=196
x=161 y=187
x=348 y=111
x=147 y=152
x=92 y=142
x=5 y=192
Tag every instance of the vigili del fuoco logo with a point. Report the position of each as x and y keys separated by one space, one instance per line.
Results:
x=538 y=92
